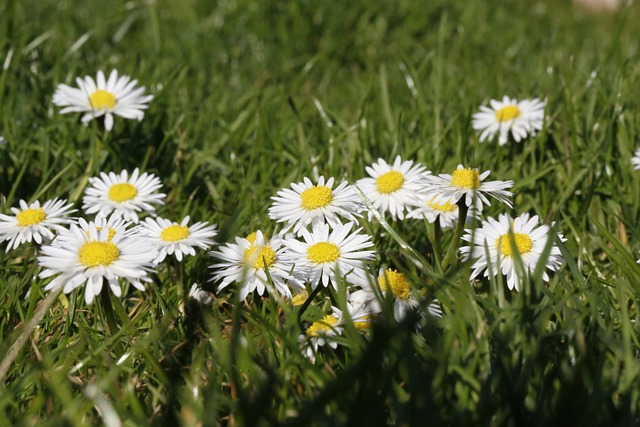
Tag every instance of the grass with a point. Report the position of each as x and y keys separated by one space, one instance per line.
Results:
x=251 y=96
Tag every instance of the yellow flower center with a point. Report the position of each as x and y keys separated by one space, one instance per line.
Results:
x=389 y=182
x=122 y=192
x=299 y=298
x=323 y=252
x=102 y=99
x=507 y=113
x=398 y=283
x=523 y=244
x=93 y=254
x=364 y=324
x=466 y=178
x=260 y=256
x=30 y=217
x=442 y=207
x=174 y=233
x=252 y=237
x=322 y=326
x=316 y=197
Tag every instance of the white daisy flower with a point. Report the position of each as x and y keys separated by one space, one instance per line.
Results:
x=102 y=97
x=530 y=241
x=469 y=183
x=244 y=262
x=522 y=119
x=361 y=310
x=171 y=238
x=34 y=222
x=201 y=296
x=635 y=160
x=306 y=203
x=94 y=257
x=320 y=333
x=393 y=188
x=323 y=255
x=122 y=194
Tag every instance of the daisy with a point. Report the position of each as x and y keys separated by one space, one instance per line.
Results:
x=469 y=183
x=306 y=203
x=244 y=262
x=520 y=118
x=635 y=160
x=321 y=332
x=92 y=257
x=324 y=254
x=34 y=222
x=117 y=95
x=392 y=188
x=171 y=238
x=122 y=194
x=494 y=237
x=201 y=296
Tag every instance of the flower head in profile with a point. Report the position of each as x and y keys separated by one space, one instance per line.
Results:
x=200 y=295
x=122 y=194
x=494 y=247
x=305 y=203
x=635 y=160
x=331 y=254
x=468 y=183
x=95 y=256
x=103 y=97
x=245 y=261
x=443 y=211
x=393 y=188
x=321 y=332
x=172 y=238
x=520 y=118
x=32 y=222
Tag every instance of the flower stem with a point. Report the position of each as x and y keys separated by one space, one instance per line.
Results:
x=450 y=257
x=105 y=298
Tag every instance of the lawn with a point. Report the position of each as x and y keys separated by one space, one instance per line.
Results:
x=252 y=96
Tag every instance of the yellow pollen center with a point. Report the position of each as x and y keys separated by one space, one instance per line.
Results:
x=30 y=217
x=389 y=182
x=102 y=99
x=364 y=324
x=174 y=233
x=507 y=113
x=316 y=197
x=122 y=192
x=323 y=252
x=398 y=283
x=93 y=254
x=321 y=326
x=442 y=207
x=299 y=298
x=523 y=244
x=252 y=237
x=466 y=178
x=260 y=256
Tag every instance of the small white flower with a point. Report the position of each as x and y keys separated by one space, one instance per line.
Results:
x=306 y=203
x=122 y=194
x=117 y=95
x=393 y=188
x=34 y=222
x=468 y=183
x=92 y=256
x=522 y=119
x=201 y=296
x=245 y=261
x=171 y=238
x=324 y=255
x=530 y=241
x=321 y=332
x=635 y=160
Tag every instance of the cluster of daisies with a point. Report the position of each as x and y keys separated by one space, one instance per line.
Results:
x=320 y=243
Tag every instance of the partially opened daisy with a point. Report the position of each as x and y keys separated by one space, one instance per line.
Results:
x=468 y=183
x=494 y=240
x=393 y=188
x=95 y=257
x=306 y=203
x=122 y=194
x=244 y=262
x=321 y=332
x=444 y=211
x=635 y=160
x=331 y=254
x=521 y=118
x=103 y=97
x=200 y=295
x=32 y=222
x=172 y=238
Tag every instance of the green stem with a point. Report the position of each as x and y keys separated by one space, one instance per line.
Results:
x=105 y=298
x=450 y=257
x=437 y=235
